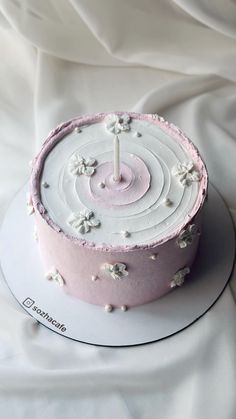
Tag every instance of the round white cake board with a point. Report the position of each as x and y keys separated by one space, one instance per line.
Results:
x=72 y=318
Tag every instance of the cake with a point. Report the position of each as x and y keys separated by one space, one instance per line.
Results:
x=118 y=239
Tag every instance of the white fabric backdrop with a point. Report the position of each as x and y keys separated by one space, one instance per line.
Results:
x=61 y=58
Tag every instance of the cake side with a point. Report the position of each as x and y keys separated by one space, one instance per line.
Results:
x=87 y=272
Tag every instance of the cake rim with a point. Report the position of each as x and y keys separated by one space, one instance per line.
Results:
x=65 y=128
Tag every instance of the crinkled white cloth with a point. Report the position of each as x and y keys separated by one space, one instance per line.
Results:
x=61 y=58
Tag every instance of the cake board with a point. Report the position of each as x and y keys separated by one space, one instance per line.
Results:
x=87 y=323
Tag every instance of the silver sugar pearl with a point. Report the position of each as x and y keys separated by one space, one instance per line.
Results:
x=77 y=129
x=125 y=233
x=45 y=185
x=154 y=256
x=167 y=202
x=108 y=308
x=101 y=185
x=124 y=308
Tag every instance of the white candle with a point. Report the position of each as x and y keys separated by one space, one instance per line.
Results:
x=116 y=157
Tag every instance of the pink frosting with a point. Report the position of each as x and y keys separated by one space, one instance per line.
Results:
x=147 y=279
x=133 y=185
x=78 y=260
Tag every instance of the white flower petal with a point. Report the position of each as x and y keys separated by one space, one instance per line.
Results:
x=126 y=118
x=90 y=161
x=114 y=275
x=88 y=171
x=81 y=229
x=59 y=279
x=86 y=226
x=84 y=213
x=125 y=127
x=89 y=214
x=125 y=273
x=121 y=266
x=196 y=176
x=111 y=118
x=189 y=166
x=93 y=222
x=78 y=159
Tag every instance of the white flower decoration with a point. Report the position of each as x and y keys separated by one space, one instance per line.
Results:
x=117 y=271
x=186 y=173
x=179 y=277
x=117 y=123
x=55 y=276
x=83 y=221
x=187 y=236
x=78 y=165
x=29 y=205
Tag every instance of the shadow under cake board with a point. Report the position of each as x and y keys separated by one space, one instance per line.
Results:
x=89 y=323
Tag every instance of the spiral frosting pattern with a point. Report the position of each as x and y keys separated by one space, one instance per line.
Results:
x=148 y=203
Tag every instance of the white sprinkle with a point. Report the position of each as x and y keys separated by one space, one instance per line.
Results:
x=125 y=233
x=167 y=202
x=108 y=308
x=137 y=134
x=77 y=129
x=124 y=308
x=45 y=185
x=101 y=185
x=94 y=278
x=154 y=256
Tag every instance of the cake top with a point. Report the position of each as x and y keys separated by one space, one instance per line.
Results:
x=162 y=185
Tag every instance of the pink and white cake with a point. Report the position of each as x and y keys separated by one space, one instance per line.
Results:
x=120 y=243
